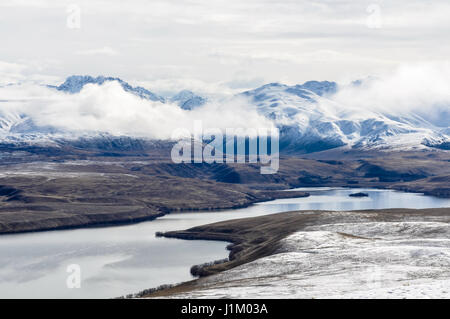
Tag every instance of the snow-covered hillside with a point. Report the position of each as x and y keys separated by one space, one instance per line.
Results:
x=361 y=259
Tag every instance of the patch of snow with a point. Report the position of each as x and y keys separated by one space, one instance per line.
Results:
x=348 y=260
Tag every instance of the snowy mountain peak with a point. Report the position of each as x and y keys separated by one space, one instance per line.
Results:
x=306 y=91
x=188 y=100
x=75 y=83
x=320 y=87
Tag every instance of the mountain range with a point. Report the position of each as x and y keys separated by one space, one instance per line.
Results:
x=308 y=118
x=309 y=121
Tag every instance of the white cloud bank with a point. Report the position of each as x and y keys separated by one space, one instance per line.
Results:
x=109 y=109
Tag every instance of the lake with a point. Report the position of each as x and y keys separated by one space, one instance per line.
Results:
x=118 y=260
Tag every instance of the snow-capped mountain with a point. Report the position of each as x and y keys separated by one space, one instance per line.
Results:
x=309 y=120
x=308 y=117
x=75 y=83
x=186 y=99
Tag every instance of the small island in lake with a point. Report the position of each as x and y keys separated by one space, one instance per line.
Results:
x=360 y=194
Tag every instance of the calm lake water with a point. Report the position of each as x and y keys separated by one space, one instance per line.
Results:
x=115 y=261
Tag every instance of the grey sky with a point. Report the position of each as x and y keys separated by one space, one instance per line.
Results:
x=210 y=45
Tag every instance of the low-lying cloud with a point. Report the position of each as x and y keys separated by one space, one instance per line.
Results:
x=109 y=109
x=423 y=89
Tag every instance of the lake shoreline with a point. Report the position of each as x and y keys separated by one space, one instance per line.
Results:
x=151 y=213
x=135 y=216
x=129 y=217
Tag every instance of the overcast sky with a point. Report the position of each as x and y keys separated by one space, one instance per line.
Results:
x=210 y=44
